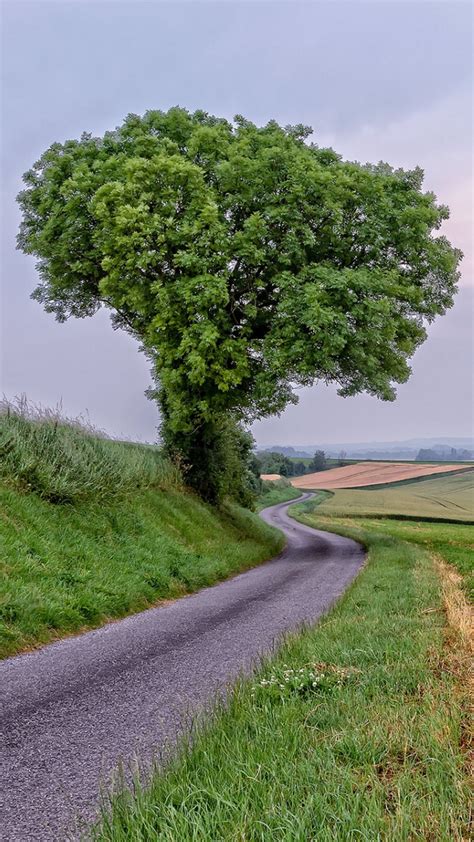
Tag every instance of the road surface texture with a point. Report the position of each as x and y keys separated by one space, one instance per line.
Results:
x=72 y=711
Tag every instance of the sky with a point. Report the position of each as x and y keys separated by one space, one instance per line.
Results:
x=375 y=80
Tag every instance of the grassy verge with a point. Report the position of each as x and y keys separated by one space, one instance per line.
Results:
x=70 y=567
x=454 y=542
x=352 y=731
x=275 y=492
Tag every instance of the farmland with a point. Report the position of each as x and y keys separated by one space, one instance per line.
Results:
x=372 y=473
x=441 y=497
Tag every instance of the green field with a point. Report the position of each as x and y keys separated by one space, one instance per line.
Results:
x=446 y=497
x=373 y=751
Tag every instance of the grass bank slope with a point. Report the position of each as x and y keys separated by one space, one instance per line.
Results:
x=66 y=568
x=352 y=731
x=65 y=460
x=92 y=529
x=372 y=473
x=450 y=497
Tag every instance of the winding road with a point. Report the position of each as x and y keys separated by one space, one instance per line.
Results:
x=72 y=710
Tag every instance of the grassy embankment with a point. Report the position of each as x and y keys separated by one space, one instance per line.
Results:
x=353 y=730
x=92 y=529
x=276 y=491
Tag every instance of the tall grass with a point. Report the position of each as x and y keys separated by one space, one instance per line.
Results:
x=66 y=460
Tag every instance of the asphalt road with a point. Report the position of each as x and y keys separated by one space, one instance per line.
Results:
x=70 y=712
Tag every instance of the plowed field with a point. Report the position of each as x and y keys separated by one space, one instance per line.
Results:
x=371 y=473
x=436 y=497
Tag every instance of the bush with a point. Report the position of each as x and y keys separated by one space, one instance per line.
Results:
x=272 y=462
x=216 y=458
x=66 y=460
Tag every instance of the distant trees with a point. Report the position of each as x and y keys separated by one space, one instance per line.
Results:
x=427 y=455
x=461 y=455
x=443 y=455
x=272 y=462
x=342 y=459
x=318 y=462
x=277 y=463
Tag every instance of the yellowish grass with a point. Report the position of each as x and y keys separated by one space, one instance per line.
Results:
x=459 y=613
x=459 y=649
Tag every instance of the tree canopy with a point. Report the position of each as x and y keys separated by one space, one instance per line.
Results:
x=272 y=462
x=246 y=260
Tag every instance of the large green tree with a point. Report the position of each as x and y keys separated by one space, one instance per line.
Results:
x=247 y=262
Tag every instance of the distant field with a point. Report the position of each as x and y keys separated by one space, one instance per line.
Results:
x=450 y=497
x=372 y=473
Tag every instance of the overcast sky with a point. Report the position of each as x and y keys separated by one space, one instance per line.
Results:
x=379 y=80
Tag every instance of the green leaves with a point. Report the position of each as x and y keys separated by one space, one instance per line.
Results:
x=245 y=260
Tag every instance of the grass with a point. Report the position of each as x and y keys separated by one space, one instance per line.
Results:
x=92 y=529
x=452 y=542
x=67 y=568
x=67 y=461
x=353 y=730
x=277 y=491
x=448 y=497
